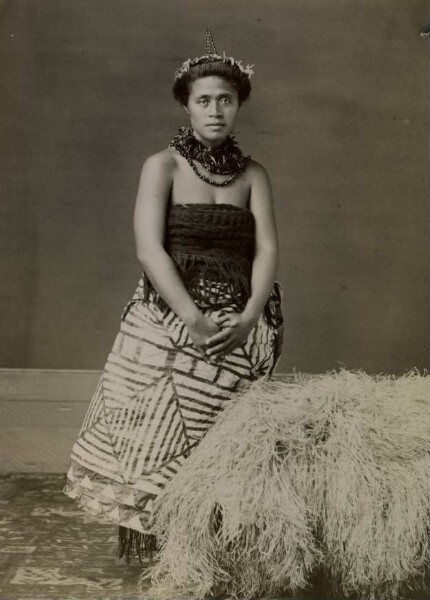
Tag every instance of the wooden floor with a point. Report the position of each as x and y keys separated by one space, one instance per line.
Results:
x=50 y=549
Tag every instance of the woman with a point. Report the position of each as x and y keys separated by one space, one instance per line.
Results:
x=205 y=318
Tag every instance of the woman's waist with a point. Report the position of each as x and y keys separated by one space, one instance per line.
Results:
x=223 y=258
x=211 y=289
x=212 y=293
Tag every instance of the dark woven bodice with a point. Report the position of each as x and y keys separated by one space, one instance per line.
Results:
x=211 y=244
x=222 y=233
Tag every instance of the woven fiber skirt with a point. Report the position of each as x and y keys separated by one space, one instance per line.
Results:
x=155 y=400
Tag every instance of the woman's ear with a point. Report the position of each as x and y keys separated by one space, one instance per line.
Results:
x=187 y=110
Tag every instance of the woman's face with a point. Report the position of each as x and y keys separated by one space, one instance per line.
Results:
x=212 y=107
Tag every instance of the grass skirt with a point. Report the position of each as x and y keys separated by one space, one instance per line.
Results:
x=326 y=472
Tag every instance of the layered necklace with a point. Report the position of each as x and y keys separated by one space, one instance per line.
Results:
x=226 y=159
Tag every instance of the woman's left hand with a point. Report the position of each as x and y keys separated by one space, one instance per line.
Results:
x=235 y=329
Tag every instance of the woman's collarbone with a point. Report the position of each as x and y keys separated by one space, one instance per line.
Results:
x=186 y=190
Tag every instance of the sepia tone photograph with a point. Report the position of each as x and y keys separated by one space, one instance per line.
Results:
x=215 y=293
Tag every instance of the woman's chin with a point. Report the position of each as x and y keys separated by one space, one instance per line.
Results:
x=212 y=135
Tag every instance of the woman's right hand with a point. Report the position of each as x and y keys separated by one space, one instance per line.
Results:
x=201 y=330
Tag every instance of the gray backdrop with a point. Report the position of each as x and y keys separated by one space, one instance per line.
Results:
x=339 y=116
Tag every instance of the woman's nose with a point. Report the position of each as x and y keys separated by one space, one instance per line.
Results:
x=214 y=108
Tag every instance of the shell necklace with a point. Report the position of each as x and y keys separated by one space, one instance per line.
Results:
x=226 y=159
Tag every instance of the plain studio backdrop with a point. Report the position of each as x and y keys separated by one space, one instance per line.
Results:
x=339 y=116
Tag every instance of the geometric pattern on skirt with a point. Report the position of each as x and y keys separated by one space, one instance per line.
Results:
x=155 y=400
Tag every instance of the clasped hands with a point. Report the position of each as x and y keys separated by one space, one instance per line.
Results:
x=219 y=334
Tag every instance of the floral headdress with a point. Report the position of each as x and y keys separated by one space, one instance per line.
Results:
x=211 y=55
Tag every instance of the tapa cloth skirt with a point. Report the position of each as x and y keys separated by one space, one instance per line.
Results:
x=155 y=400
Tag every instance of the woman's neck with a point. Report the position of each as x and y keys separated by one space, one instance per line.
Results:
x=210 y=145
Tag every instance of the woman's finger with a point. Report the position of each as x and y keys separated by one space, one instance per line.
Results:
x=220 y=336
x=217 y=349
x=227 y=349
x=222 y=348
x=201 y=350
x=221 y=319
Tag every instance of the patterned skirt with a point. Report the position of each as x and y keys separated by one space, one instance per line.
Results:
x=156 y=398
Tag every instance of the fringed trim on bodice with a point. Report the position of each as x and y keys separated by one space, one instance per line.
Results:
x=210 y=280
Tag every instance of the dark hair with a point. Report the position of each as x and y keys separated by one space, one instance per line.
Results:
x=240 y=81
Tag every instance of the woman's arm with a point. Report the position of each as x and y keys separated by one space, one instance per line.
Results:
x=149 y=221
x=237 y=326
x=265 y=265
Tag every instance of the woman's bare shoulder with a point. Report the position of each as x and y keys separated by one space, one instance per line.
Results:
x=163 y=159
x=256 y=171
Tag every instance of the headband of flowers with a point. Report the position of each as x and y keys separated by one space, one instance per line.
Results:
x=211 y=55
